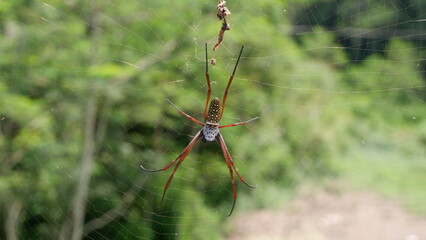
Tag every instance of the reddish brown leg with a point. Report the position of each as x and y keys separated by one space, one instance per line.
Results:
x=240 y=123
x=225 y=95
x=231 y=166
x=208 y=85
x=181 y=157
x=171 y=176
x=229 y=159
x=186 y=115
x=234 y=188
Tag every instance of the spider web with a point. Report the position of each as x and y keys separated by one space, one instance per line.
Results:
x=84 y=105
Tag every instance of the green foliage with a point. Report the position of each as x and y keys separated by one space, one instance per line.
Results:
x=320 y=114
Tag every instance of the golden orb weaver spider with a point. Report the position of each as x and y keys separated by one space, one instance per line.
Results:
x=209 y=133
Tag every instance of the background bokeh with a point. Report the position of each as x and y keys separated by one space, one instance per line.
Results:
x=339 y=87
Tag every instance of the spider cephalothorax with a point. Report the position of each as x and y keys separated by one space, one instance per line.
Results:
x=209 y=132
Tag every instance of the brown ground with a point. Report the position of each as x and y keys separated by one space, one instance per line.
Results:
x=342 y=215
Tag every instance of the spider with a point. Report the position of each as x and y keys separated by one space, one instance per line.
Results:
x=209 y=133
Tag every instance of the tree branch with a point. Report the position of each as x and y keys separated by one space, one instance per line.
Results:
x=128 y=197
x=78 y=209
x=14 y=211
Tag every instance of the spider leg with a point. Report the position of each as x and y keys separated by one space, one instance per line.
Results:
x=186 y=115
x=240 y=123
x=231 y=166
x=208 y=85
x=225 y=95
x=181 y=157
x=171 y=176
x=166 y=167
x=234 y=190
x=229 y=159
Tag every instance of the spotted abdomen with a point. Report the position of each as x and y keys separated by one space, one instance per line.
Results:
x=213 y=115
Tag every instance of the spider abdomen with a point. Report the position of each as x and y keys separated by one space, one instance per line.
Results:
x=210 y=132
x=213 y=115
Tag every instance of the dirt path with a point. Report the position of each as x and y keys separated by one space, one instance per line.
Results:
x=343 y=215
